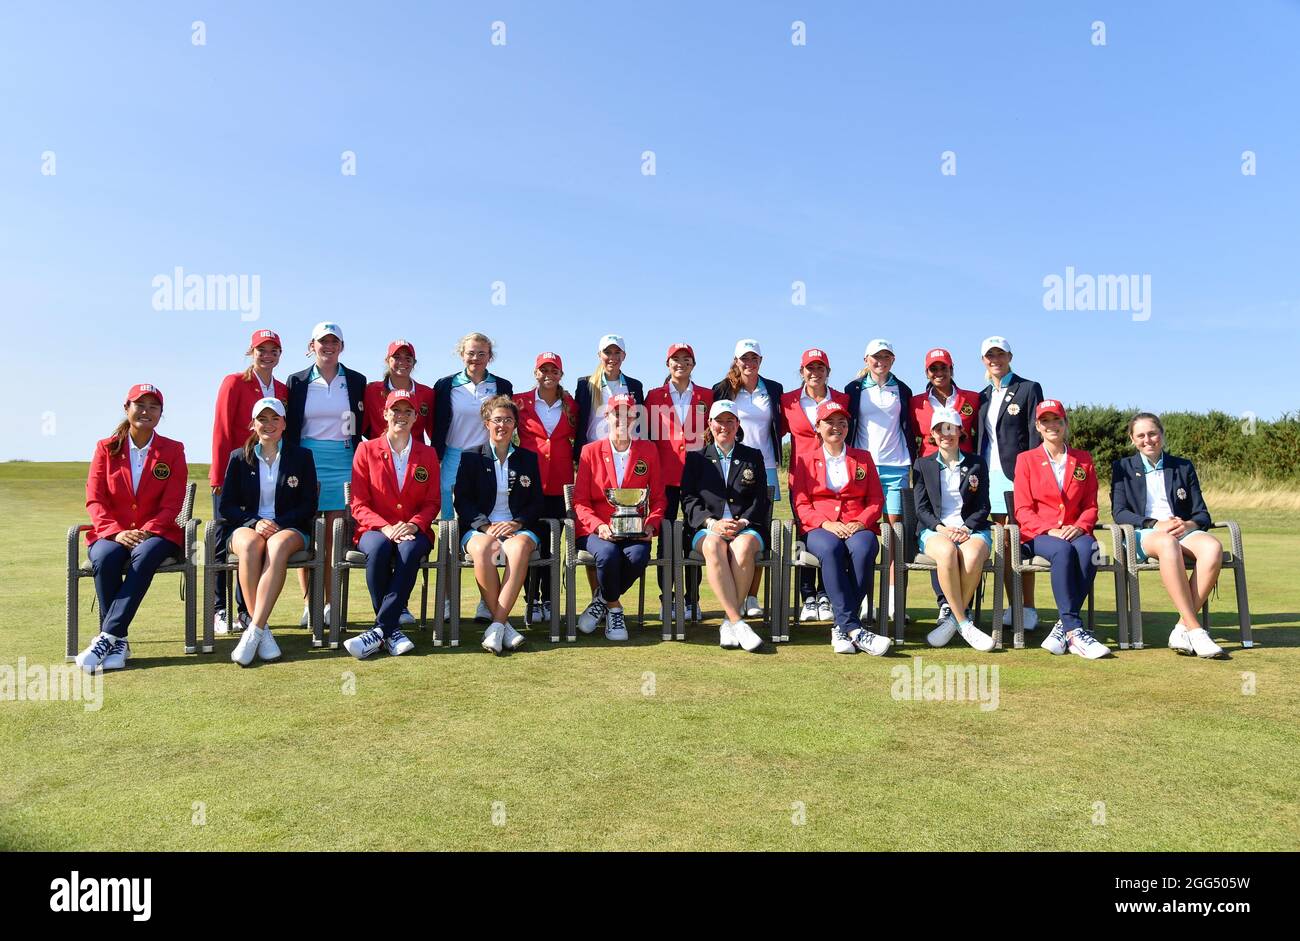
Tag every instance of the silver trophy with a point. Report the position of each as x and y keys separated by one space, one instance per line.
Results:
x=630 y=506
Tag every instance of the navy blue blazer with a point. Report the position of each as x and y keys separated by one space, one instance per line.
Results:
x=297 y=406
x=582 y=398
x=854 y=391
x=475 y=493
x=775 y=390
x=295 y=489
x=927 y=492
x=442 y=407
x=1016 y=432
x=1128 y=491
x=705 y=493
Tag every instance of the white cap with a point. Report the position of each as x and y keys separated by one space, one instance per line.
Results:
x=325 y=328
x=722 y=407
x=273 y=404
x=989 y=343
x=611 y=339
x=876 y=345
x=945 y=416
x=747 y=346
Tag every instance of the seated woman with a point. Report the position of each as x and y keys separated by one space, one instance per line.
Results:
x=838 y=499
x=498 y=499
x=1056 y=507
x=615 y=461
x=396 y=493
x=134 y=492
x=726 y=510
x=952 y=509
x=1160 y=495
x=268 y=500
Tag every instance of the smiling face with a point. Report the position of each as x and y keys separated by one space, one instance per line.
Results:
x=143 y=414
x=400 y=417
x=327 y=350
x=946 y=435
x=940 y=375
x=267 y=355
x=500 y=424
x=724 y=428
x=833 y=428
x=749 y=364
x=1148 y=438
x=621 y=420
x=998 y=362
x=475 y=356
x=268 y=425
x=611 y=359
x=680 y=366
x=814 y=375
x=401 y=363
x=1052 y=428
x=879 y=364
x=547 y=376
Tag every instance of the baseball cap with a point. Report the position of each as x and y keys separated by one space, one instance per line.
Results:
x=270 y=402
x=401 y=344
x=876 y=345
x=142 y=389
x=945 y=416
x=679 y=347
x=399 y=395
x=1049 y=407
x=722 y=407
x=831 y=407
x=611 y=339
x=938 y=355
x=326 y=328
x=747 y=346
x=264 y=336
x=989 y=343
x=549 y=357
x=621 y=400
x=815 y=355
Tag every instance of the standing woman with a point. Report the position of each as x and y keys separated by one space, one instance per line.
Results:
x=838 y=498
x=268 y=495
x=457 y=405
x=399 y=364
x=547 y=419
x=238 y=392
x=617 y=461
x=880 y=422
x=1056 y=507
x=727 y=510
x=134 y=492
x=941 y=392
x=952 y=509
x=395 y=495
x=799 y=411
x=1004 y=429
x=676 y=415
x=499 y=505
x=762 y=426
x=1160 y=496
x=593 y=395
x=324 y=416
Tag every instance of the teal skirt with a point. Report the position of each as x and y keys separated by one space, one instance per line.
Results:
x=333 y=470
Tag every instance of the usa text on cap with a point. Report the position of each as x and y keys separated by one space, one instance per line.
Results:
x=831 y=407
x=722 y=407
x=815 y=355
x=611 y=339
x=945 y=416
x=1000 y=343
x=938 y=355
x=273 y=404
x=1049 y=407
x=142 y=389
x=748 y=346
x=325 y=329
x=264 y=336
x=401 y=345
x=680 y=348
x=399 y=395
x=549 y=358
x=622 y=400
x=876 y=345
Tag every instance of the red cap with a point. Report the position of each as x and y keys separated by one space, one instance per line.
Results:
x=938 y=355
x=831 y=407
x=401 y=344
x=1049 y=407
x=549 y=357
x=622 y=400
x=677 y=348
x=400 y=395
x=264 y=336
x=144 y=388
x=815 y=356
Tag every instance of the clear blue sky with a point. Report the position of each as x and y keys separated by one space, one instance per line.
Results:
x=478 y=163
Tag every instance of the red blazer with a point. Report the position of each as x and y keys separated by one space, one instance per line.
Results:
x=554 y=453
x=803 y=436
x=1041 y=505
x=376 y=501
x=967 y=405
x=115 y=508
x=860 y=501
x=230 y=425
x=667 y=432
x=596 y=472
x=372 y=411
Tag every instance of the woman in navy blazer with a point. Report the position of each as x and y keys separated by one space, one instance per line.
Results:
x=726 y=509
x=268 y=500
x=498 y=497
x=952 y=516
x=1160 y=496
x=608 y=379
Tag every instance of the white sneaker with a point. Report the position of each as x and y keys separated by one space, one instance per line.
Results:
x=974 y=636
x=751 y=608
x=1055 y=642
x=1178 y=640
x=364 y=644
x=810 y=611
x=542 y=613
x=615 y=626
x=824 y=610
x=744 y=635
x=594 y=614
x=406 y=618
x=1199 y=638
x=875 y=644
x=944 y=628
x=692 y=612
x=397 y=644
x=219 y=623
x=840 y=641
x=481 y=613
x=306 y=616
x=513 y=639
x=93 y=656
x=246 y=649
x=117 y=657
x=493 y=636
x=1083 y=644
x=726 y=638
x=1031 y=619
x=267 y=648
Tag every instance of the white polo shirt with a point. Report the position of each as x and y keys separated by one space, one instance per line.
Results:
x=139 y=456
x=549 y=415
x=754 y=412
x=327 y=403
x=597 y=423
x=467 y=398
x=950 y=496
x=620 y=461
x=501 y=508
x=837 y=469
x=880 y=423
x=1157 y=505
x=400 y=460
x=267 y=474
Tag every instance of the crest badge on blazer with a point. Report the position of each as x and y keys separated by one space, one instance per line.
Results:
x=1013 y=409
x=424 y=409
x=421 y=473
x=161 y=471
x=291 y=481
x=1080 y=473
x=747 y=475
x=966 y=409
x=525 y=481
x=860 y=474
x=1180 y=493
x=973 y=483
x=640 y=469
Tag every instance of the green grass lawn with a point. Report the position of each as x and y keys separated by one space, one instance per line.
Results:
x=645 y=745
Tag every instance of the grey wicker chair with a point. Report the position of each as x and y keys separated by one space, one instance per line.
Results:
x=797 y=556
x=535 y=561
x=185 y=566
x=911 y=559
x=1234 y=560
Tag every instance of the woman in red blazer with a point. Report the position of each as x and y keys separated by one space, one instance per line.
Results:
x=941 y=392
x=618 y=461
x=1056 y=507
x=134 y=493
x=837 y=500
x=398 y=366
x=396 y=494
x=547 y=420
x=239 y=392
x=799 y=415
x=676 y=419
